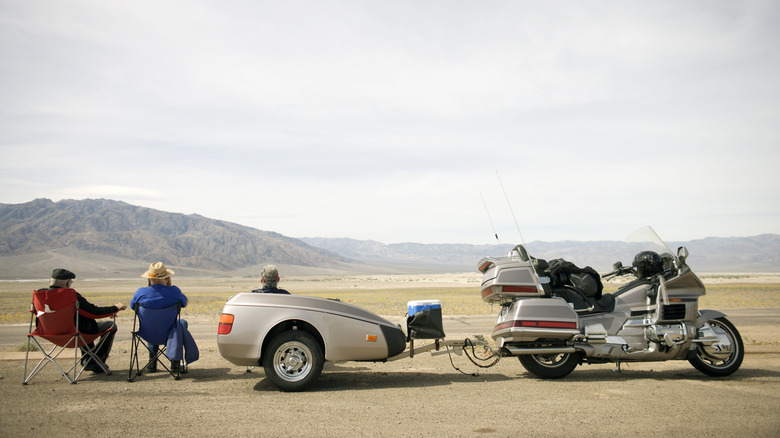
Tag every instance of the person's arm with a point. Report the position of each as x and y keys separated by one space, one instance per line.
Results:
x=98 y=310
x=136 y=297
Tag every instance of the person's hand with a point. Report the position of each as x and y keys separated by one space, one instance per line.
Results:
x=120 y=306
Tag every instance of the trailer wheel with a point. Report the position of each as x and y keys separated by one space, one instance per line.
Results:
x=293 y=360
x=550 y=366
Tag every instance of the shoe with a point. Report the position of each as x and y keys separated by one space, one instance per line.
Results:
x=95 y=368
x=176 y=367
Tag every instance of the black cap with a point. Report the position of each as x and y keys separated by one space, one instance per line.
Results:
x=62 y=274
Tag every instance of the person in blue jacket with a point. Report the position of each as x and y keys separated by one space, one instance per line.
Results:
x=158 y=294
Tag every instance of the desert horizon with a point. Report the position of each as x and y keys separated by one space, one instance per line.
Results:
x=382 y=294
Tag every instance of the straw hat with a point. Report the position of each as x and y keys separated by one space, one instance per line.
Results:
x=157 y=270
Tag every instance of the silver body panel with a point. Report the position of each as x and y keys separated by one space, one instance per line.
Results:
x=347 y=332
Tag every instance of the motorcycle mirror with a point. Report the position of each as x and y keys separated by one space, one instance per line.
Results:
x=682 y=254
x=617 y=265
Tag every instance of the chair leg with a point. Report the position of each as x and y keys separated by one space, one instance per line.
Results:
x=134 y=344
x=48 y=357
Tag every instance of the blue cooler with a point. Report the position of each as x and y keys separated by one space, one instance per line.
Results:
x=418 y=306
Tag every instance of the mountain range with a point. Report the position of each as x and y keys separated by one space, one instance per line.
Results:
x=104 y=238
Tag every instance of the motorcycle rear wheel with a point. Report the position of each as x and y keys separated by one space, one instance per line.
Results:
x=712 y=363
x=550 y=366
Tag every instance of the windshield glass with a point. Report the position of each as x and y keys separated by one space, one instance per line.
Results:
x=646 y=239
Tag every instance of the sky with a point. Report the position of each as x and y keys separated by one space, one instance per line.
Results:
x=402 y=121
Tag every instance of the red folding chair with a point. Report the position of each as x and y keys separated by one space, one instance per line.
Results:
x=55 y=313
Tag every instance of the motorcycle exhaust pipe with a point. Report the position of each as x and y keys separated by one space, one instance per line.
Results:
x=519 y=351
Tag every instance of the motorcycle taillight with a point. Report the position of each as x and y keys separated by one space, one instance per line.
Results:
x=519 y=289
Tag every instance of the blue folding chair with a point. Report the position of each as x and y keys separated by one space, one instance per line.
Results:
x=152 y=327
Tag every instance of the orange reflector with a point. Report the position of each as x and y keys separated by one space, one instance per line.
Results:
x=371 y=338
x=225 y=324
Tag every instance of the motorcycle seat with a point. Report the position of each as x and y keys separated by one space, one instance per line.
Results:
x=583 y=303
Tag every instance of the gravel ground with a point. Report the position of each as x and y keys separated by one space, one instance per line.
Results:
x=422 y=396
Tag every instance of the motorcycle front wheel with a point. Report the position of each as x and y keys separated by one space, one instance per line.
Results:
x=722 y=358
x=550 y=366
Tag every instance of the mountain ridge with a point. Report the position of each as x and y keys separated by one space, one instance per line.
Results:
x=124 y=231
x=114 y=238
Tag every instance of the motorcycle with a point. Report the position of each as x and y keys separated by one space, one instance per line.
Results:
x=555 y=316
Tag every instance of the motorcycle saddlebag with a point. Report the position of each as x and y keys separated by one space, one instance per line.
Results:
x=425 y=324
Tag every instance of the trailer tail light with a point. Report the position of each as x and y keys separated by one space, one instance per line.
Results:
x=225 y=324
x=536 y=324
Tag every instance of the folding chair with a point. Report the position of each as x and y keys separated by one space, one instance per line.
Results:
x=56 y=313
x=152 y=327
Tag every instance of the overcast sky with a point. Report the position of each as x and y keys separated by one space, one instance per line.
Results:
x=393 y=120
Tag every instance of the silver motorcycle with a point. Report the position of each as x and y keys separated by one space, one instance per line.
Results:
x=555 y=316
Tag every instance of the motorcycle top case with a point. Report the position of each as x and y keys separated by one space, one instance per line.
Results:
x=505 y=280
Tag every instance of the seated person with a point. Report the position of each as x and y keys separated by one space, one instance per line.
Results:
x=270 y=279
x=63 y=279
x=159 y=294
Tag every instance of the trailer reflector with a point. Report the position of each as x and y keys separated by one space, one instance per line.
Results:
x=371 y=338
x=225 y=324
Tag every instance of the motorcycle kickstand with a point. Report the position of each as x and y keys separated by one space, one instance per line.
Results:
x=617 y=369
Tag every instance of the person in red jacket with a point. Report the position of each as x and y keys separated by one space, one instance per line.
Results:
x=63 y=279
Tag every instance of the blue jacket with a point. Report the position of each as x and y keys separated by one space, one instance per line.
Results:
x=158 y=296
x=181 y=344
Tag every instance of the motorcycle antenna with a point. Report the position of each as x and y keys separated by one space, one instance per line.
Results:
x=490 y=219
x=510 y=208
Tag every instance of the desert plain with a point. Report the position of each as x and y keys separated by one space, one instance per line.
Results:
x=428 y=395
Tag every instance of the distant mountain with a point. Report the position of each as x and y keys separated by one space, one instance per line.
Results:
x=120 y=231
x=103 y=238
x=713 y=254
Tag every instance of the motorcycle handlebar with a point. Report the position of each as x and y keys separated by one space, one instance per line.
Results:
x=620 y=271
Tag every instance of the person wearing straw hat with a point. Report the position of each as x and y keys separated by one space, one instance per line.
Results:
x=270 y=279
x=158 y=294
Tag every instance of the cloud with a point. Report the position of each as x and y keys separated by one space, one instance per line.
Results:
x=386 y=120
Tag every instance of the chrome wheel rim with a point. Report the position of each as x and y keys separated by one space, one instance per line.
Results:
x=292 y=361
x=723 y=352
x=550 y=360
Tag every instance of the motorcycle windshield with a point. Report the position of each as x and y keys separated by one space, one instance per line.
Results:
x=646 y=239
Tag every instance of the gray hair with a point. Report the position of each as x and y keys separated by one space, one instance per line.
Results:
x=270 y=275
x=55 y=282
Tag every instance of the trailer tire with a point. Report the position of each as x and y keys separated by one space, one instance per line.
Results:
x=550 y=366
x=293 y=360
